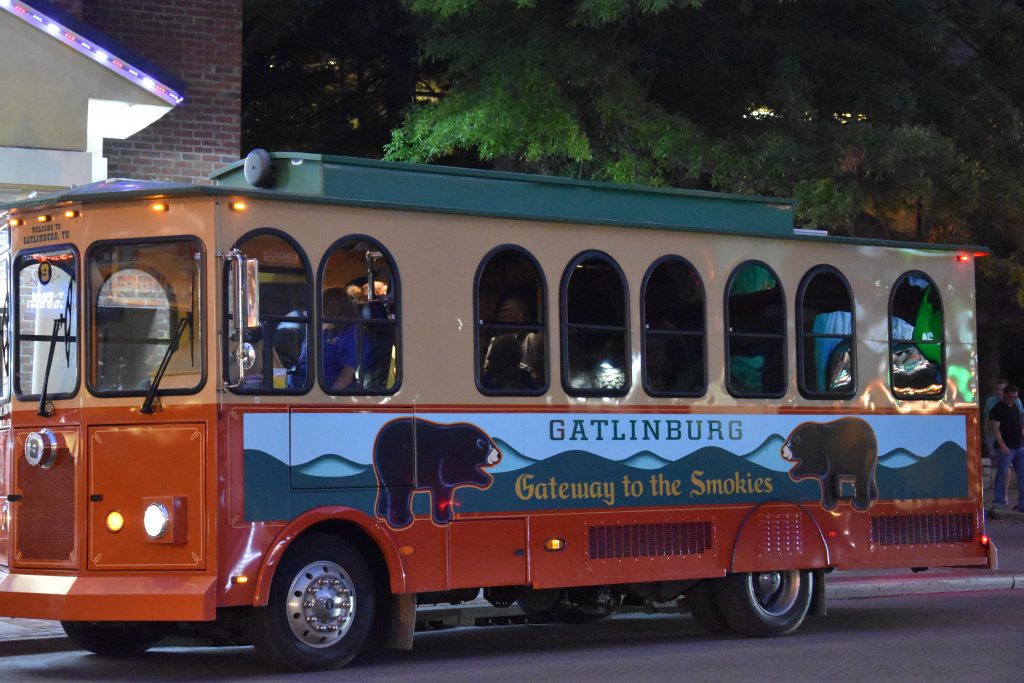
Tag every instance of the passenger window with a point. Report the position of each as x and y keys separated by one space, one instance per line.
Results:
x=359 y=315
x=672 y=315
x=916 y=339
x=595 y=338
x=511 y=324
x=825 y=349
x=755 y=347
x=284 y=324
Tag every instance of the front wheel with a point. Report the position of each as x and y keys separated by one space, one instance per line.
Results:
x=114 y=639
x=320 y=609
x=765 y=604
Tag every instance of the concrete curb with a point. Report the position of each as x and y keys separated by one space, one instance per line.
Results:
x=30 y=637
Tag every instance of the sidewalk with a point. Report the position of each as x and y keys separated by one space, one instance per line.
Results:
x=33 y=636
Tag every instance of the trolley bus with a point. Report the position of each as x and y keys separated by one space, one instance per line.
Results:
x=289 y=407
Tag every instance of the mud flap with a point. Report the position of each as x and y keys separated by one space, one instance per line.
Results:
x=818 y=594
x=403 y=622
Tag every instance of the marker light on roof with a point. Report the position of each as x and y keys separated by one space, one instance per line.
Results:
x=67 y=36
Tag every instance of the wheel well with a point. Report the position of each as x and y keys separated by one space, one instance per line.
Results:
x=361 y=541
x=352 y=533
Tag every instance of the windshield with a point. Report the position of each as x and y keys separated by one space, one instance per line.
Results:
x=47 y=293
x=140 y=293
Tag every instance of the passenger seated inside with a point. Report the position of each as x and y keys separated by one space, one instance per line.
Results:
x=338 y=356
x=514 y=360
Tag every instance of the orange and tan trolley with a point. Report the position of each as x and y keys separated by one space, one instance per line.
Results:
x=287 y=408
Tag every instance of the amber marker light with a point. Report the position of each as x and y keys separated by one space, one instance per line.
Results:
x=44 y=218
x=238 y=206
x=240 y=579
x=15 y=222
x=160 y=207
x=71 y=213
x=115 y=521
x=553 y=545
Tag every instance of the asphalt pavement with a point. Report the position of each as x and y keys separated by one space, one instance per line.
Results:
x=34 y=636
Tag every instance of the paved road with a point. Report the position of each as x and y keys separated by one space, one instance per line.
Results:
x=956 y=637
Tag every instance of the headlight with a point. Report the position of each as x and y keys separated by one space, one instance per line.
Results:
x=156 y=520
x=41 y=449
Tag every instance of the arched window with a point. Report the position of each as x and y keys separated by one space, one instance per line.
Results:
x=284 y=316
x=359 y=319
x=595 y=334
x=825 y=348
x=672 y=314
x=511 y=324
x=916 y=338
x=755 y=346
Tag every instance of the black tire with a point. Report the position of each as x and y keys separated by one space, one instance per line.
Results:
x=114 y=639
x=320 y=609
x=703 y=605
x=765 y=604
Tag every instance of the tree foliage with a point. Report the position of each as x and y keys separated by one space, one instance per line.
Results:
x=877 y=116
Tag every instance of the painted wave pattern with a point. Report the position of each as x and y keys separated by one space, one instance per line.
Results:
x=767 y=455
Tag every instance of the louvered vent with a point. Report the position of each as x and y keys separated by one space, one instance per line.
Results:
x=915 y=529
x=649 y=540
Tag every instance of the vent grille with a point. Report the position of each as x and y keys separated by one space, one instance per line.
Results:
x=648 y=540
x=915 y=529
x=45 y=517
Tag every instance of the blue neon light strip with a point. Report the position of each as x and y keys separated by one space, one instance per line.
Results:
x=74 y=40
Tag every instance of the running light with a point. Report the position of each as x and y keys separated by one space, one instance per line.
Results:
x=44 y=218
x=160 y=207
x=553 y=545
x=984 y=539
x=71 y=213
x=15 y=222
x=76 y=41
x=115 y=521
x=238 y=206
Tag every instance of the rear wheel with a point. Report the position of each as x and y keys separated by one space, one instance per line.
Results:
x=320 y=609
x=765 y=604
x=114 y=639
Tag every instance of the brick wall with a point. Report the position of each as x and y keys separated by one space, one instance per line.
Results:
x=200 y=43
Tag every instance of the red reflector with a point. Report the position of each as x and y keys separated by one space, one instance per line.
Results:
x=984 y=539
x=833 y=533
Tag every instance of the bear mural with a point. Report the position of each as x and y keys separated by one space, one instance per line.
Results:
x=411 y=455
x=834 y=452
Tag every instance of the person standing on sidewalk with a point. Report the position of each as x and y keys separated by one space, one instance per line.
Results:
x=1005 y=424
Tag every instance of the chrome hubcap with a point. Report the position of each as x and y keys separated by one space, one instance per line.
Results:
x=775 y=593
x=321 y=604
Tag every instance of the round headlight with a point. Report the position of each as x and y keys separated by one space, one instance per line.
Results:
x=41 y=449
x=156 y=519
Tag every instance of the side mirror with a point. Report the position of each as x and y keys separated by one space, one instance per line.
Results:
x=245 y=300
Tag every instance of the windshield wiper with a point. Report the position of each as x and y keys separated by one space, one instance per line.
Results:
x=57 y=324
x=147 y=405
